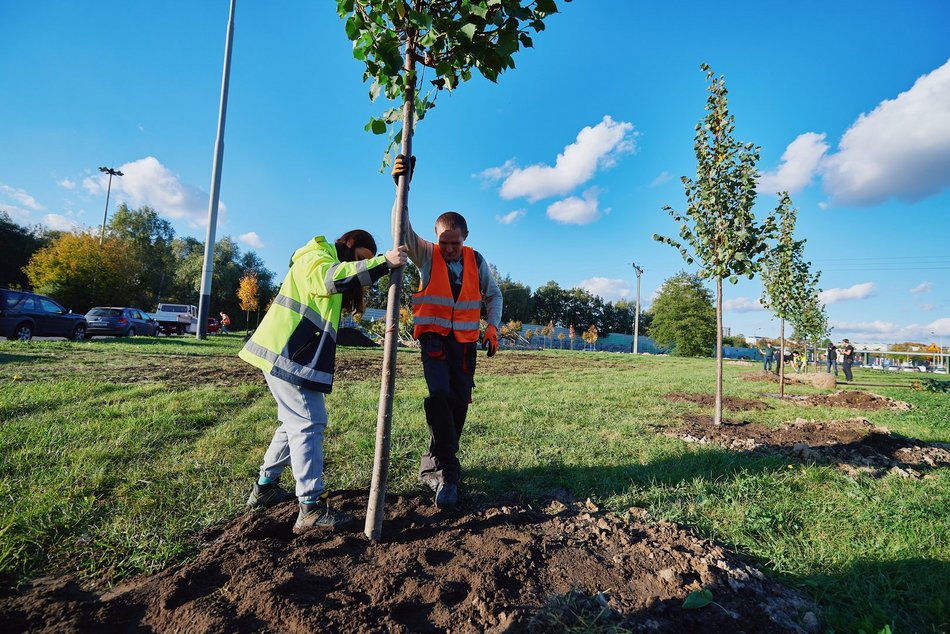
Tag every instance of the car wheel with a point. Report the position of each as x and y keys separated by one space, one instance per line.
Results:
x=130 y=333
x=79 y=333
x=23 y=332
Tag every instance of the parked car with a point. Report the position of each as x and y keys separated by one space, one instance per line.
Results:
x=119 y=321
x=24 y=315
x=213 y=325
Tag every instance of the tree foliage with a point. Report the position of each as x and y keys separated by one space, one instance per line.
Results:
x=684 y=318
x=449 y=38
x=17 y=244
x=787 y=283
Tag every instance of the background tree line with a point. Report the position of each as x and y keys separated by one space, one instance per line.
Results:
x=141 y=263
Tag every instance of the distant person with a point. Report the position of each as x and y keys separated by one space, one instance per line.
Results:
x=295 y=346
x=768 y=356
x=455 y=281
x=847 y=358
x=798 y=361
x=832 y=358
x=225 y=323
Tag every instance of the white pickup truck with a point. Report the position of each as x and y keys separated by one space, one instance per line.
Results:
x=176 y=319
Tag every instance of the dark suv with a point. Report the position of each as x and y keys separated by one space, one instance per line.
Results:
x=24 y=315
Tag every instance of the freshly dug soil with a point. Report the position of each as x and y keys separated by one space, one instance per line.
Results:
x=854 y=445
x=729 y=402
x=856 y=400
x=505 y=568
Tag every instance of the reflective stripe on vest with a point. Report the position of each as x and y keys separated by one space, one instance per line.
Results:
x=289 y=366
x=434 y=309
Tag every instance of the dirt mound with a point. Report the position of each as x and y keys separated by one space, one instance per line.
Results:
x=495 y=569
x=768 y=377
x=856 y=400
x=854 y=445
x=729 y=402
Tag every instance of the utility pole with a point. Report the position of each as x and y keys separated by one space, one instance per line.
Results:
x=111 y=172
x=204 y=300
x=636 y=317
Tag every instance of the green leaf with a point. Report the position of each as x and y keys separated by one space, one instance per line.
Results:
x=428 y=39
x=478 y=10
x=468 y=30
x=378 y=126
x=547 y=6
x=353 y=26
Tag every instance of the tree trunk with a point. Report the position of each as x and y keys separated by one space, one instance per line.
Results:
x=377 y=491
x=781 y=357
x=717 y=417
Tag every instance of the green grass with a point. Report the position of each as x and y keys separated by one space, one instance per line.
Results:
x=111 y=479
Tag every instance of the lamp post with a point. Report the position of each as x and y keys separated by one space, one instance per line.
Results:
x=636 y=316
x=105 y=212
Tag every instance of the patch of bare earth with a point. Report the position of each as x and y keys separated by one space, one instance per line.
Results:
x=855 y=399
x=729 y=402
x=477 y=569
x=854 y=445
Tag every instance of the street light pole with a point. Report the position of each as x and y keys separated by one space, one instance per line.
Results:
x=636 y=317
x=204 y=300
x=105 y=212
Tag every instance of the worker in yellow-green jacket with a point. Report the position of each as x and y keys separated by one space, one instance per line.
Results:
x=295 y=346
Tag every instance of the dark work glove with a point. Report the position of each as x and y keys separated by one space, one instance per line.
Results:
x=490 y=341
x=399 y=167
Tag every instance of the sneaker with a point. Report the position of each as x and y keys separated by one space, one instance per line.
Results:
x=266 y=495
x=447 y=495
x=319 y=514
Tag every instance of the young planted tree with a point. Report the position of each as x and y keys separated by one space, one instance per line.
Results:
x=546 y=331
x=810 y=320
x=450 y=39
x=591 y=335
x=718 y=224
x=247 y=294
x=786 y=281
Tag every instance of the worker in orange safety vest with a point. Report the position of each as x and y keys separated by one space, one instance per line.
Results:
x=455 y=280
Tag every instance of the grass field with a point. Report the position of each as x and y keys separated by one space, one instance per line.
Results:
x=114 y=452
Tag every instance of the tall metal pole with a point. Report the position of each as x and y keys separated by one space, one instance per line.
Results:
x=636 y=318
x=204 y=301
x=105 y=212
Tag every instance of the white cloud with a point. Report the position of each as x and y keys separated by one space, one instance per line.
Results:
x=251 y=239
x=576 y=211
x=923 y=287
x=19 y=195
x=609 y=289
x=18 y=215
x=67 y=184
x=835 y=295
x=885 y=331
x=798 y=166
x=901 y=149
x=927 y=307
x=148 y=182
x=742 y=305
x=58 y=222
x=661 y=178
x=511 y=216
x=595 y=147
x=493 y=174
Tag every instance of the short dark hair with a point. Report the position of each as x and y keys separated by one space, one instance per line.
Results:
x=453 y=220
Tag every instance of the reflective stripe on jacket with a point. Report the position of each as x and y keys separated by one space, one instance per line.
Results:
x=296 y=340
x=435 y=309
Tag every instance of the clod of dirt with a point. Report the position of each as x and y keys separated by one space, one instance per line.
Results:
x=762 y=375
x=486 y=569
x=729 y=402
x=854 y=445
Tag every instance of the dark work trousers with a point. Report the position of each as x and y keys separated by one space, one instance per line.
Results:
x=847 y=369
x=449 y=368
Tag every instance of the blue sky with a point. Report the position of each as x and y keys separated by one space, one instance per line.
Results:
x=562 y=168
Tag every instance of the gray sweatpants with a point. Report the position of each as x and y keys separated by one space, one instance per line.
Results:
x=298 y=441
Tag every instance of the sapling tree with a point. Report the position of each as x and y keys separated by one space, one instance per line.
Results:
x=718 y=229
x=810 y=319
x=399 y=43
x=787 y=283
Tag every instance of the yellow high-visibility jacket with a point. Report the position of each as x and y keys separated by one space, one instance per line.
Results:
x=296 y=340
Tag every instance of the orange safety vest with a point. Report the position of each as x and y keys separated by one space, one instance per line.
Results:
x=434 y=308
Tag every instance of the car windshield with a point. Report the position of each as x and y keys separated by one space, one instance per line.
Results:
x=105 y=312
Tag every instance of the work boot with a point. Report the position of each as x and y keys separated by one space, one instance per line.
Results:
x=267 y=495
x=447 y=495
x=319 y=514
